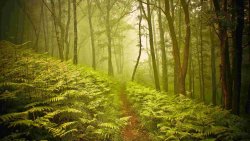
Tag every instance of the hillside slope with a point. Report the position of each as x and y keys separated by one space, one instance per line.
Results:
x=176 y=118
x=42 y=98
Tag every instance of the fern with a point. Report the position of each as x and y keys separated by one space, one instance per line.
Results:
x=56 y=99
x=169 y=117
x=40 y=109
x=12 y=116
x=23 y=123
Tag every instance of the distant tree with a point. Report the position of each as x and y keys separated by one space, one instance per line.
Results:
x=182 y=68
x=75 y=59
x=221 y=8
x=92 y=37
x=151 y=42
x=67 y=38
x=163 y=50
x=140 y=44
x=237 y=55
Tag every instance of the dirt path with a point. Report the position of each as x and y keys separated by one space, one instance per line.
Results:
x=133 y=131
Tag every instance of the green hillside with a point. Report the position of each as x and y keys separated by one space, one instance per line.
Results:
x=43 y=98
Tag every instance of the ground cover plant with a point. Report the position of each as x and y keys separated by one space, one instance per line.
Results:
x=170 y=117
x=44 y=98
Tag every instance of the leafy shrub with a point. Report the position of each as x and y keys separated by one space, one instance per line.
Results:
x=168 y=117
x=42 y=98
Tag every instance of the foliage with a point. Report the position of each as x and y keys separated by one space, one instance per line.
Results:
x=42 y=98
x=169 y=117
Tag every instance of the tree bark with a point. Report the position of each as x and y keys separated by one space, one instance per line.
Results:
x=201 y=57
x=56 y=22
x=225 y=69
x=44 y=30
x=67 y=38
x=237 y=57
x=213 y=68
x=163 y=51
x=176 y=51
x=140 y=46
x=151 y=43
x=182 y=69
x=108 y=33
x=75 y=60
x=91 y=33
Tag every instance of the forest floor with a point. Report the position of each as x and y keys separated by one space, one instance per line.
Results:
x=134 y=131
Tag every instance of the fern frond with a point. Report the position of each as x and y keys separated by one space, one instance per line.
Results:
x=11 y=116
x=7 y=95
x=40 y=109
x=67 y=124
x=55 y=99
x=109 y=125
x=68 y=132
x=23 y=123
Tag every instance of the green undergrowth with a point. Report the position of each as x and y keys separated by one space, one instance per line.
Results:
x=42 y=98
x=174 y=118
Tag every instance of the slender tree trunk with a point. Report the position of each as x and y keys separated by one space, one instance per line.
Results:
x=44 y=30
x=187 y=46
x=17 y=26
x=213 y=68
x=199 y=64
x=201 y=60
x=176 y=51
x=67 y=38
x=151 y=42
x=149 y=59
x=37 y=32
x=108 y=32
x=56 y=22
x=75 y=60
x=176 y=70
x=155 y=44
x=225 y=63
x=193 y=80
x=190 y=73
x=140 y=46
x=91 y=33
x=237 y=57
x=163 y=51
x=62 y=28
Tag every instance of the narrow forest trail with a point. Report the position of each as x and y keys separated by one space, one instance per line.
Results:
x=133 y=131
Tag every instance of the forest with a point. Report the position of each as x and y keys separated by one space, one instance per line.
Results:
x=125 y=70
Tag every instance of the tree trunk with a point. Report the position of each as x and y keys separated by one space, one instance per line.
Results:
x=213 y=68
x=190 y=73
x=176 y=51
x=55 y=19
x=62 y=28
x=237 y=57
x=225 y=63
x=163 y=51
x=44 y=30
x=140 y=46
x=91 y=33
x=108 y=32
x=155 y=44
x=187 y=45
x=176 y=86
x=75 y=60
x=199 y=65
x=151 y=43
x=182 y=69
x=67 y=38
x=201 y=60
